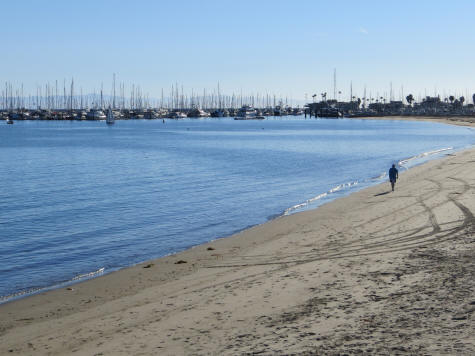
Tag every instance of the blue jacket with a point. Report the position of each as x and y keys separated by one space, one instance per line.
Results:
x=393 y=173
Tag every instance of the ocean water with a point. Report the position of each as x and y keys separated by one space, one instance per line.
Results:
x=78 y=199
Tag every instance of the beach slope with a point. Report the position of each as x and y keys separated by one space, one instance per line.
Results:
x=376 y=272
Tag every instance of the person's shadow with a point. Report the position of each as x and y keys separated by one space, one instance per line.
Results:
x=384 y=193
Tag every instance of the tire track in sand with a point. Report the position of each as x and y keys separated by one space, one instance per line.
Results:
x=407 y=241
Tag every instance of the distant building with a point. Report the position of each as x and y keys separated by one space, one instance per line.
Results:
x=395 y=106
x=432 y=105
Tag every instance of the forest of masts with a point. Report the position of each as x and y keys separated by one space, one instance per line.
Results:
x=64 y=96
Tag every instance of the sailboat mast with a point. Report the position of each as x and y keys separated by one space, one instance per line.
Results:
x=56 y=95
x=113 y=100
x=72 y=93
x=102 y=87
x=182 y=99
x=64 y=94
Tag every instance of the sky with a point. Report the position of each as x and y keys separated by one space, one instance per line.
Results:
x=287 y=48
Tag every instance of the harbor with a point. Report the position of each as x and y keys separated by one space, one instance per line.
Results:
x=15 y=105
x=430 y=106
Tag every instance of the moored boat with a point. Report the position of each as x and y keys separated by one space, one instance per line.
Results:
x=94 y=114
x=278 y=111
x=110 y=119
x=248 y=113
x=220 y=113
x=150 y=115
x=177 y=115
x=197 y=112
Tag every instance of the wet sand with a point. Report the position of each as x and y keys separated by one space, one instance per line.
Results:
x=377 y=272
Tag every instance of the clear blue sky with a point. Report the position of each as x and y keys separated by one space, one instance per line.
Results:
x=284 y=47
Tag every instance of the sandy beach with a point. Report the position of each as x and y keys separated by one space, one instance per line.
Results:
x=376 y=272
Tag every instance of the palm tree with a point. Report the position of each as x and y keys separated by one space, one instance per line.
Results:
x=473 y=98
x=461 y=99
x=451 y=98
x=410 y=99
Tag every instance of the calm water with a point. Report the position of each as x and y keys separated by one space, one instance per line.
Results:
x=77 y=197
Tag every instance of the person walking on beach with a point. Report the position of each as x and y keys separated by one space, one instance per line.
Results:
x=393 y=176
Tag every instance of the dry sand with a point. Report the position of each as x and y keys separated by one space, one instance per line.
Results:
x=372 y=273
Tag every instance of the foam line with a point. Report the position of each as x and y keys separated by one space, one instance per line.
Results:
x=422 y=155
x=335 y=189
x=349 y=185
x=4 y=299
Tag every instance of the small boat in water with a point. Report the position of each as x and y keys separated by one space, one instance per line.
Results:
x=81 y=115
x=278 y=111
x=220 y=113
x=150 y=114
x=9 y=121
x=197 y=112
x=297 y=111
x=110 y=119
x=248 y=113
x=177 y=115
x=94 y=114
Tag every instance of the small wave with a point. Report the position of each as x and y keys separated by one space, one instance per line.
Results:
x=89 y=275
x=405 y=161
x=349 y=185
x=31 y=291
x=381 y=176
x=306 y=203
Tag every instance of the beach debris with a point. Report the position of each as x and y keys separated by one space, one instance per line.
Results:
x=148 y=265
x=180 y=262
x=69 y=288
x=210 y=248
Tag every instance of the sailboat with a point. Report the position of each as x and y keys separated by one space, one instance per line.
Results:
x=110 y=119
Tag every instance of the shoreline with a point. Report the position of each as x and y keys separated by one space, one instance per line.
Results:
x=336 y=192
x=269 y=251
x=450 y=120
